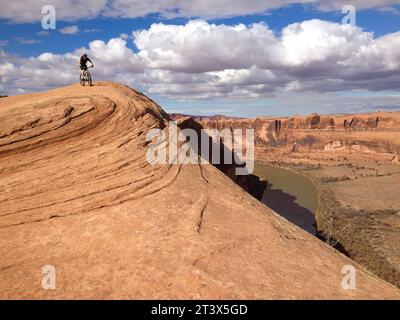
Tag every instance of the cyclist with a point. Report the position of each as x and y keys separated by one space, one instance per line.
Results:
x=84 y=59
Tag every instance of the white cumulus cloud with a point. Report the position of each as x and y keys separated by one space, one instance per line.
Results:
x=201 y=60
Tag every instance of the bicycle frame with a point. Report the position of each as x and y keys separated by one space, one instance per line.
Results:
x=85 y=76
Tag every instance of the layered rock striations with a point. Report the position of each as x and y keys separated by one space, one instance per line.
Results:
x=78 y=194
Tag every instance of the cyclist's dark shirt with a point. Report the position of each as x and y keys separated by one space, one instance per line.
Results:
x=83 y=62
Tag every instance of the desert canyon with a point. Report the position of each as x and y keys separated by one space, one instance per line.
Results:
x=77 y=193
x=353 y=160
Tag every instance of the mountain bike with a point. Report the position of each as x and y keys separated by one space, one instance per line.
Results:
x=85 y=77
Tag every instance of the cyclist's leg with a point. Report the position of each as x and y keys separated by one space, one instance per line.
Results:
x=84 y=72
x=83 y=77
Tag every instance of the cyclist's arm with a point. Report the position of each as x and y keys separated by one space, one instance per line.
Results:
x=91 y=62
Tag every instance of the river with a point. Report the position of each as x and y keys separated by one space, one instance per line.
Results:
x=289 y=194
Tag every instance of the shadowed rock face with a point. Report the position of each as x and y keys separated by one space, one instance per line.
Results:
x=78 y=194
x=251 y=183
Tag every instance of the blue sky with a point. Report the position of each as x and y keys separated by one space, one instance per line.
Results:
x=105 y=28
x=297 y=85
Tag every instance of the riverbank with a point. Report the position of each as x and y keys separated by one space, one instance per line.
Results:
x=357 y=211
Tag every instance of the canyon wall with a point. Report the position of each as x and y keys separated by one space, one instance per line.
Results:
x=378 y=132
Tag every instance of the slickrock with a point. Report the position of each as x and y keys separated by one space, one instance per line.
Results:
x=77 y=193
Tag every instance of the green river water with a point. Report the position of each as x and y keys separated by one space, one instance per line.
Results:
x=289 y=194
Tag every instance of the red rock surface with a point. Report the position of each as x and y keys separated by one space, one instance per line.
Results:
x=77 y=193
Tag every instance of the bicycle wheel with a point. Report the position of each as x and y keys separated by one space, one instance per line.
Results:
x=89 y=79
